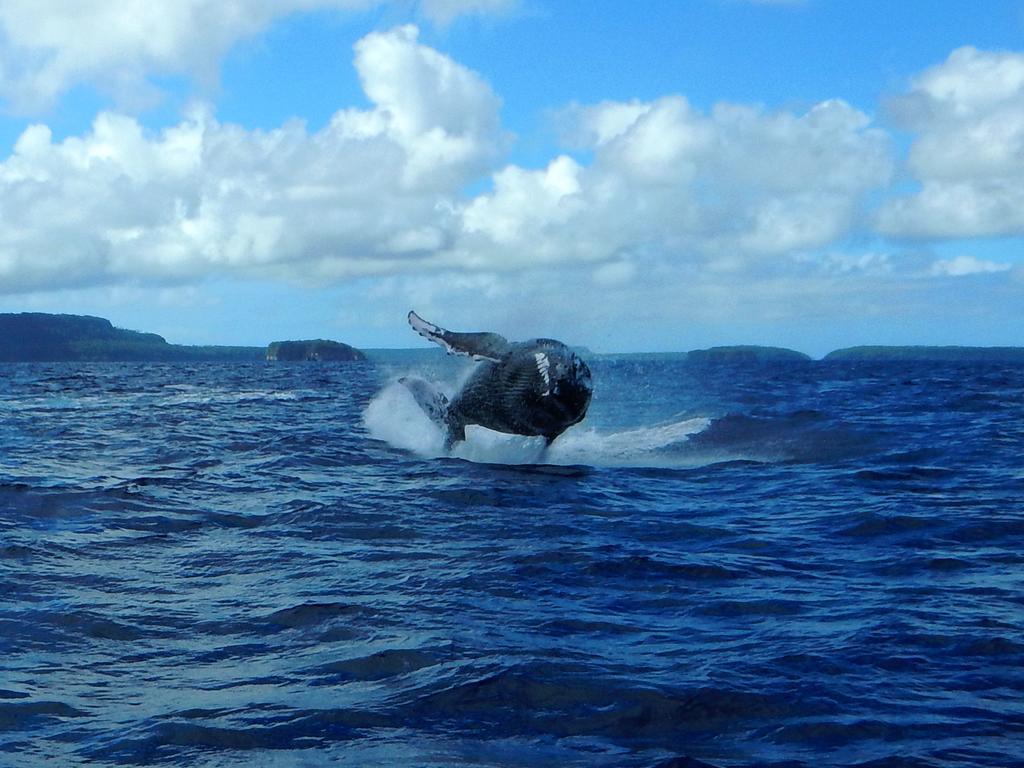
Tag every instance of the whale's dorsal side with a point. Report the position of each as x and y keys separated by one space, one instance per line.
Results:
x=479 y=346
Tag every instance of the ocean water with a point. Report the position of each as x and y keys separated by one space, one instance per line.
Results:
x=276 y=565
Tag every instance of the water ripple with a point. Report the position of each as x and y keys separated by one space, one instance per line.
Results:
x=226 y=565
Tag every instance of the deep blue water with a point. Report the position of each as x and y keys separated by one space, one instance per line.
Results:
x=813 y=565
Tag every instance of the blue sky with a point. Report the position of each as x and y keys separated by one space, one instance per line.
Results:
x=649 y=176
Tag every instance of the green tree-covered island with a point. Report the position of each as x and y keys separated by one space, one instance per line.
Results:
x=316 y=349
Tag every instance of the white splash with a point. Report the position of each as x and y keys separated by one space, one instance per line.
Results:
x=633 y=447
x=394 y=417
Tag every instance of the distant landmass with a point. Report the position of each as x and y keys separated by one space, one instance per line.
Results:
x=746 y=354
x=929 y=354
x=316 y=349
x=41 y=337
x=758 y=354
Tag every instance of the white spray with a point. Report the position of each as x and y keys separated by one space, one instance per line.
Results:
x=394 y=417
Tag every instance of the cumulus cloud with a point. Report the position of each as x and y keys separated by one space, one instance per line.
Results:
x=526 y=202
x=735 y=185
x=48 y=47
x=968 y=154
x=379 y=191
x=442 y=115
x=370 y=190
x=655 y=210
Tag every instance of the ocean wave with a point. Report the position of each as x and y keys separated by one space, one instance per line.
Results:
x=279 y=565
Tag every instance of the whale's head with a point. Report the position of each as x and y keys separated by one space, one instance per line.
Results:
x=564 y=383
x=574 y=387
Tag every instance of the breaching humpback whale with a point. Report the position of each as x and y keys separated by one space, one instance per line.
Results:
x=534 y=388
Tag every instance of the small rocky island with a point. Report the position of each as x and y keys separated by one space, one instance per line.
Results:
x=746 y=354
x=315 y=349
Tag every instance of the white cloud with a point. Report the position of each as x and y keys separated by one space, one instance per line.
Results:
x=968 y=155
x=658 y=212
x=440 y=113
x=733 y=186
x=957 y=209
x=961 y=266
x=378 y=191
x=597 y=125
x=525 y=201
x=968 y=84
x=368 y=192
x=662 y=144
x=48 y=47
x=665 y=212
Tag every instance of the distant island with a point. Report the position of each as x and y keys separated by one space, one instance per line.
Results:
x=928 y=354
x=42 y=337
x=756 y=354
x=31 y=337
x=746 y=354
x=316 y=349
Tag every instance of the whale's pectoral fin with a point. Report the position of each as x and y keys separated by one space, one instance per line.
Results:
x=435 y=405
x=479 y=346
x=433 y=402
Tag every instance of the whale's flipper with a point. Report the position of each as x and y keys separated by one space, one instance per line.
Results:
x=479 y=346
x=435 y=405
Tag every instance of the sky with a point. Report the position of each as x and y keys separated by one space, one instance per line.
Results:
x=655 y=176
